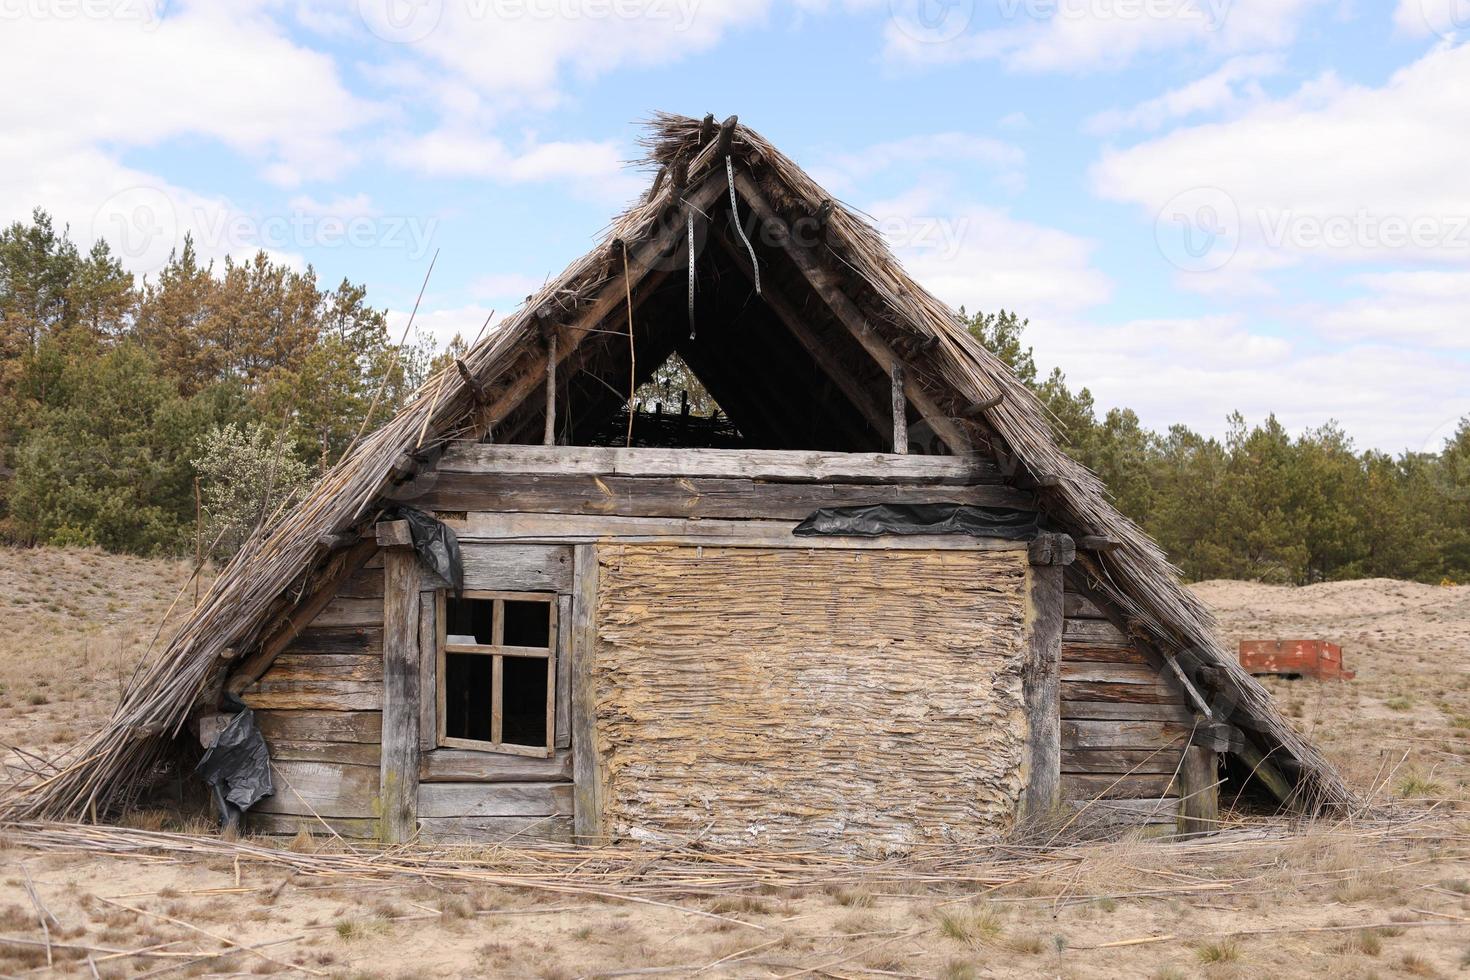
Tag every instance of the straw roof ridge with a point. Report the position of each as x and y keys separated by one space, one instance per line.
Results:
x=289 y=560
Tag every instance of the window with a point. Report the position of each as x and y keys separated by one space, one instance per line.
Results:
x=497 y=672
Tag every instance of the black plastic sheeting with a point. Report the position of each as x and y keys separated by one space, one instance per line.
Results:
x=237 y=767
x=879 y=519
x=437 y=546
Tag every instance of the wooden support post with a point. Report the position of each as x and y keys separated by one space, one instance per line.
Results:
x=900 y=413
x=549 y=437
x=1264 y=770
x=1199 y=789
x=587 y=765
x=1041 y=682
x=398 y=777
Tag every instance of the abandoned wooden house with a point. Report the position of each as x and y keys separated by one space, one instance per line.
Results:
x=643 y=647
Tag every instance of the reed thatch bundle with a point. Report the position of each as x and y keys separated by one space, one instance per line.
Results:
x=288 y=560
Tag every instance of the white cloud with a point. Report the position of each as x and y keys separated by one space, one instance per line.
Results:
x=443 y=325
x=843 y=172
x=1231 y=86
x=1425 y=307
x=983 y=258
x=1334 y=171
x=1083 y=35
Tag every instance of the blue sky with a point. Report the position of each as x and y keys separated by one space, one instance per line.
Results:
x=1202 y=205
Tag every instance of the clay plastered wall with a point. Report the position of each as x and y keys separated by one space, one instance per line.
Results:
x=865 y=699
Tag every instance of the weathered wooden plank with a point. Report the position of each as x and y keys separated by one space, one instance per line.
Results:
x=1103 y=654
x=1124 y=711
x=1120 y=761
x=1138 y=786
x=399 y=771
x=344 y=753
x=1115 y=673
x=494 y=799
x=563 y=672
x=517 y=567
x=1041 y=689
x=468 y=766
x=795 y=466
x=585 y=529
x=1122 y=734
x=367 y=583
x=1199 y=785
x=687 y=496
x=320 y=726
x=284 y=825
x=1109 y=815
x=1131 y=693
x=350 y=612
x=331 y=789
x=325 y=667
x=1080 y=607
x=587 y=762
x=428 y=672
x=491 y=830
x=338 y=639
x=291 y=695
x=1095 y=631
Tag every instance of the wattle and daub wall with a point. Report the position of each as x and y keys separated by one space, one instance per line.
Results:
x=764 y=696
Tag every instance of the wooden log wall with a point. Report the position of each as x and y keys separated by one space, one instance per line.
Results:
x=320 y=707
x=1125 y=723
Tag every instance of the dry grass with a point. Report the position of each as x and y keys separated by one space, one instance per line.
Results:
x=1243 y=905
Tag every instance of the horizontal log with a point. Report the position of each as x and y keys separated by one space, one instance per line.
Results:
x=1103 y=654
x=320 y=726
x=1122 y=734
x=293 y=695
x=328 y=788
x=394 y=534
x=495 y=799
x=1080 y=607
x=345 y=753
x=325 y=667
x=491 y=830
x=351 y=612
x=1135 y=787
x=1121 y=761
x=1111 y=814
x=1124 y=711
x=800 y=466
x=366 y=583
x=685 y=496
x=339 y=640
x=585 y=529
x=1130 y=693
x=1114 y=673
x=466 y=766
x=285 y=825
x=517 y=567
x=1094 y=631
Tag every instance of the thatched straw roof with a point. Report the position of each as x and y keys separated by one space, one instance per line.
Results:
x=285 y=564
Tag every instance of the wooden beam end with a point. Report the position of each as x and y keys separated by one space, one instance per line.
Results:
x=394 y=534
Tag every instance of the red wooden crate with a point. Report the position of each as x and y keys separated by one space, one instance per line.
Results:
x=1294 y=658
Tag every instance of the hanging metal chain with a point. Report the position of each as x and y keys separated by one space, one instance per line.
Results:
x=735 y=216
x=691 y=271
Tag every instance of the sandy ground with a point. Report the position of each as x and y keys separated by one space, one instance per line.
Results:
x=1341 y=902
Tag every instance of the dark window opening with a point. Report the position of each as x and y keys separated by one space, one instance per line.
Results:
x=527 y=624
x=467 y=689
x=525 y=692
x=470 y=621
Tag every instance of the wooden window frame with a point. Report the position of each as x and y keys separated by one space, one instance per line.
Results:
x=497 y=650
